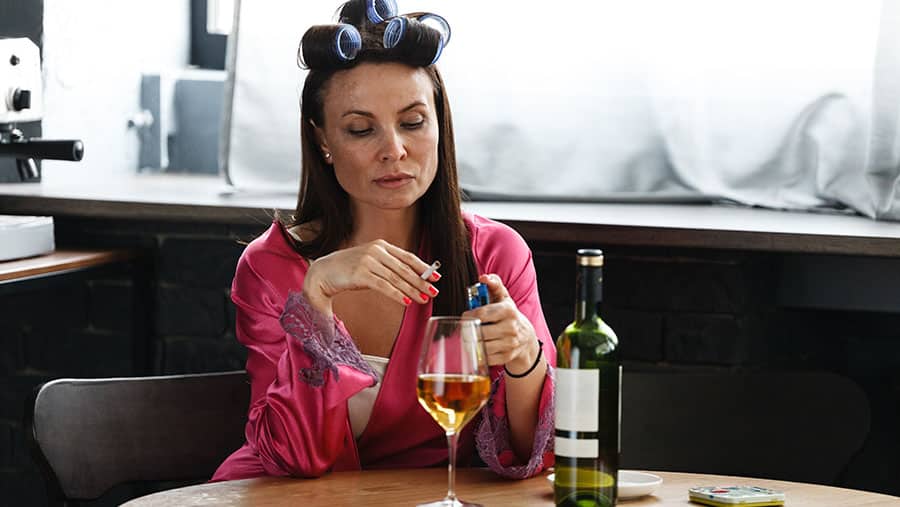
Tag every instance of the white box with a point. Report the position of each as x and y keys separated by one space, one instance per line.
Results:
x=22 y=237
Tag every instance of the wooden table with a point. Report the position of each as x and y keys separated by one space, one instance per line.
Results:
x=58 y=263
x=408 y=487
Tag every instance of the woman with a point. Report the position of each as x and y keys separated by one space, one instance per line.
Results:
x=332 y=305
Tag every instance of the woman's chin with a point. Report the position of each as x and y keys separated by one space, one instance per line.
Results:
x=397 y=201
x=397 y=205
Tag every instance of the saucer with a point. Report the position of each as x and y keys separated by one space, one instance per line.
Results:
x=633 y=484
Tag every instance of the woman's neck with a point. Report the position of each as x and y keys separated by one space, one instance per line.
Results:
x=398 y=227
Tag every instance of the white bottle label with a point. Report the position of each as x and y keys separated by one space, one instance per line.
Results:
x=576 y=448
x=619 y=433
x=577 y=409
x=577 y=399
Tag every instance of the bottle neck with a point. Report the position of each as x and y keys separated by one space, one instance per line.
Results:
x=588 y=292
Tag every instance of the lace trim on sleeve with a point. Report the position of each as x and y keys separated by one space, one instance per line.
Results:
x=492 y=438
x=323 y=340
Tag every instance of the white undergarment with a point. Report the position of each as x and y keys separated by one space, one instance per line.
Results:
x=360 y=404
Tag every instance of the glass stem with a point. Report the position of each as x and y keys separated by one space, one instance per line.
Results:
x=451 y=466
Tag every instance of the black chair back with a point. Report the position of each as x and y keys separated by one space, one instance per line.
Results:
x=792 y=426
x=89 y=435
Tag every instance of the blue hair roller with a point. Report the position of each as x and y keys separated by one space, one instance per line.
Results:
x=440 y=49
x=397 y=28
x=347 y=42
x=379 y=10
x=438 y=23
x=394 y=31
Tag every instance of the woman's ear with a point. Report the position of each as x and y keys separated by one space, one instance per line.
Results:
x=321 y=142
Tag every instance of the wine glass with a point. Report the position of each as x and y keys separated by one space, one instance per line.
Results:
x=453 y=383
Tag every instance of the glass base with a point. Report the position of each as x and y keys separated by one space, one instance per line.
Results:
x=449 y=502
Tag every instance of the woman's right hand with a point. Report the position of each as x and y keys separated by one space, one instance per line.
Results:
x=377 y=265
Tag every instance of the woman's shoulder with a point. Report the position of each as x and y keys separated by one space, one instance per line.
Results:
x=270 y=257
x=497 y=247
x=490 y=234
x=274 y=242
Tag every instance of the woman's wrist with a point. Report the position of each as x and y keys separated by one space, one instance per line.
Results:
x=525 y=364
x=318 y=300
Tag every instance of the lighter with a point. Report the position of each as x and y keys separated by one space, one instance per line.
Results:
x=477 y=295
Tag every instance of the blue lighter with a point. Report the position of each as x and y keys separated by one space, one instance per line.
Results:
x=476 y=295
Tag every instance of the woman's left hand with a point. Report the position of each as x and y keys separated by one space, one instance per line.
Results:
x=508 y=335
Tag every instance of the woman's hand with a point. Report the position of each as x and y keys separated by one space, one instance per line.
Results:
x=511 y=341
x=509 y=337
x=377 y=265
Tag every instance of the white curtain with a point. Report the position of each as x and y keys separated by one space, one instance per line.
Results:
x=784 y=104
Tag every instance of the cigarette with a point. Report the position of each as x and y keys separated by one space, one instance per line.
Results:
x=431 y=269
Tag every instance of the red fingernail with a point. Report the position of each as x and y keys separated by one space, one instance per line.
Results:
x=433 y=291
x=407 y=301
x=423 y=297
x=435 y=276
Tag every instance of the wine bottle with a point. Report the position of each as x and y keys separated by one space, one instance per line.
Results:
x=588 y=393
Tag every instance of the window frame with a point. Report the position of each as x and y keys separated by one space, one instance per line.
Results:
x=207 y=49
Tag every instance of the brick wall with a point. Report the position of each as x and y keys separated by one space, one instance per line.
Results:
x=717 y=311
x=673 y=309
x=83 y=328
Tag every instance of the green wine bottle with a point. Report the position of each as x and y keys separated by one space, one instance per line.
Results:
x=588 y=409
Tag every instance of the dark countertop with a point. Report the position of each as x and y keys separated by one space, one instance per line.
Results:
x=183 y=198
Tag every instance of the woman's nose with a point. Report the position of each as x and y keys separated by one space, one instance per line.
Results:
x=393 y=148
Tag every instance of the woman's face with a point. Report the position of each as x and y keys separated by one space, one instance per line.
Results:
x=381 y=129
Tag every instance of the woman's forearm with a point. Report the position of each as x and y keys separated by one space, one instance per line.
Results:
x=523 y=396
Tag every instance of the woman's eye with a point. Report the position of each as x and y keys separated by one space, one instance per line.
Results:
x=413 y=124
x=359 y=132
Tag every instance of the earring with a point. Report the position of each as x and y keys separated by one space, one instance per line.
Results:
x=327 y=155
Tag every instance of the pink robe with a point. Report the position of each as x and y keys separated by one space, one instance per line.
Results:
x=303 y=368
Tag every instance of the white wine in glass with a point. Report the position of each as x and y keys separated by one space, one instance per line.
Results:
x=453 y=383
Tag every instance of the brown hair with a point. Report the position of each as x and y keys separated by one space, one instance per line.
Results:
x=322 y=199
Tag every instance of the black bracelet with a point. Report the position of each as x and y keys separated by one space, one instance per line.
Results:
x=536 y=362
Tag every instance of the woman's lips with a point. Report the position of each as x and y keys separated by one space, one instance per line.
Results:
x=394 y=180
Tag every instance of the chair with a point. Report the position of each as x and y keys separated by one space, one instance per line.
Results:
x=792 y=426
x=89 y=435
